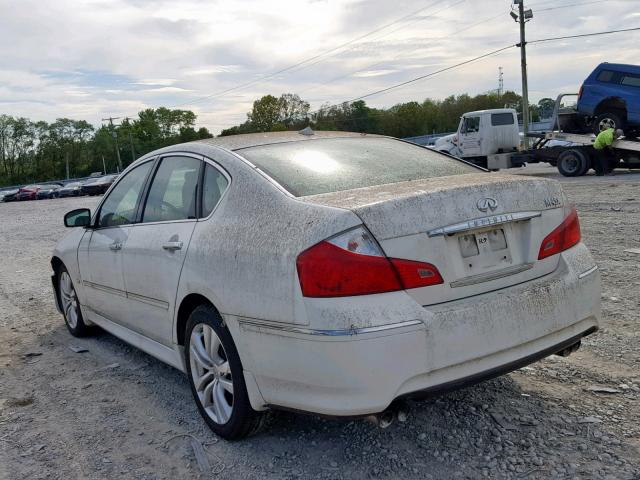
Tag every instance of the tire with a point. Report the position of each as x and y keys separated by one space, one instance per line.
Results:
x=573 y=163
x=216 y=376
x=607 y=120
x=71 y=311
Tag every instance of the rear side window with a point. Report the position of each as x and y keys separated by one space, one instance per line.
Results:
x=606 y=76
x=631 y=80
x=215 y=183
x=498 y=119
x=172 y=195
x=312 y=167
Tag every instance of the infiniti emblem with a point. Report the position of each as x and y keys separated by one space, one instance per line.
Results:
x=488 y=203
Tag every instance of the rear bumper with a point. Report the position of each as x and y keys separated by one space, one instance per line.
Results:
x=347 y=372
x=503 y=369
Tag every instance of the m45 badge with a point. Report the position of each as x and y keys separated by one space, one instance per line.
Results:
x=551 y=202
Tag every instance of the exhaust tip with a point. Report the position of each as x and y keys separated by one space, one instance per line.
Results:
x=398 y=410
x=570 y=349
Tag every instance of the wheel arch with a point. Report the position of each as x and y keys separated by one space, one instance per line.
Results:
x=612 y=104
x=188 y=304
x=56 y=263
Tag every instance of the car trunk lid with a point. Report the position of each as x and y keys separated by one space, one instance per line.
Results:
x=482 y=231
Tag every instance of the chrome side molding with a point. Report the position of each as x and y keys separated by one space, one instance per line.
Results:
x=588 y=272
x=329 y=333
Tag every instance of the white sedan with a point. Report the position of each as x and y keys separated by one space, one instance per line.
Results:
x=331 y=272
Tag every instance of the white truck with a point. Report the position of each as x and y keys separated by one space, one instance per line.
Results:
x=482 y=134
x=491 y=139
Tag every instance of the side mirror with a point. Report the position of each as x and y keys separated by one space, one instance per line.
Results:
x=80 y=217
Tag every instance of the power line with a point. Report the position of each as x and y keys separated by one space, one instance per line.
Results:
x=567 y=6
x=406 y=55
x=422 y=77
x=457 y=65
x=386 y=34
x=608 y=32
x=307 y=60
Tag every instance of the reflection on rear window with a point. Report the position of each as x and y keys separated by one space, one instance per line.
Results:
x=313 y=167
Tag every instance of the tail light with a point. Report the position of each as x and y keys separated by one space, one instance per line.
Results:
x=565 y=236
x=352 y=263
x=580 y=92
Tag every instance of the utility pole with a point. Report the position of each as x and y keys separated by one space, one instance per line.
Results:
x=522 y=17
x=115 y=138
x=104 y=166
x=133 y=152
x=67 y=162
x=500 y=82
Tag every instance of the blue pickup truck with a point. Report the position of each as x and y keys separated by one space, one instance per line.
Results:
x=610 y=98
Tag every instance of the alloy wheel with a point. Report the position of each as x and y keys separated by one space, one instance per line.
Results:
x=69 y=300
x=211 y=373
x=607 y=123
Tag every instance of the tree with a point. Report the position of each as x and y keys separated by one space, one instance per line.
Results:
x=265 y=114
x=39 y=151
x=546 y=107
x=293 y=110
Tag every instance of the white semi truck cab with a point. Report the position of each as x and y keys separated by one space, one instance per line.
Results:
x=481 y=134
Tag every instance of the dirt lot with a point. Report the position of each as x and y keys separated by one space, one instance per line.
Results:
x=116 y=412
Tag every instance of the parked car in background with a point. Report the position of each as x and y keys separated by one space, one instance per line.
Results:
x=48 y=191
x=329 y=272
x=610 y=98
x=98 y=186
x=8 y=194
x=28 y=192
x=72 y=189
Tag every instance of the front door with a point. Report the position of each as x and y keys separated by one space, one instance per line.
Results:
x=156 y=247
x=469 y=140
x=101 y=263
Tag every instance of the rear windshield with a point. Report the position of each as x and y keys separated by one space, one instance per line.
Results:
x=498 y=119
x=332 y=165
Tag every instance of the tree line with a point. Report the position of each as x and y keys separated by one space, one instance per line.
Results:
x=39 y=151
x=290 y=112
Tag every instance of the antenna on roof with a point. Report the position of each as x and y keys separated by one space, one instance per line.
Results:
x=307 y=131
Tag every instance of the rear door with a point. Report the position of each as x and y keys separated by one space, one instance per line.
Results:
x=156 y=247
x=100 y=257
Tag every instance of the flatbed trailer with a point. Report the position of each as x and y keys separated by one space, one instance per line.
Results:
x=573 y=158
x=572 y=153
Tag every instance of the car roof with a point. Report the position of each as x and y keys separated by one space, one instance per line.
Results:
x=238 y=142
x=619 y=67
x=491 y=110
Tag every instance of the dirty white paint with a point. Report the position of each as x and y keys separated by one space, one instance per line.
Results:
x=243 y=258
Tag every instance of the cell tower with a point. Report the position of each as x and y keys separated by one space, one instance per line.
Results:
x=500 y=82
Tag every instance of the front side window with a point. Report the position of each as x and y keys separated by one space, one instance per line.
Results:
x=471 y=125
x=215 y=183
x=119 y=208
x=173 y=191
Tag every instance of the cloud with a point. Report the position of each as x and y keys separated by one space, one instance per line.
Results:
x=99 y=58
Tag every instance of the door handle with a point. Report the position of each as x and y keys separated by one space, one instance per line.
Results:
x=115 y=246
x=172 y=246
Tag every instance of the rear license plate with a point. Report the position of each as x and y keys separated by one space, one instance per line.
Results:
x=473 y=244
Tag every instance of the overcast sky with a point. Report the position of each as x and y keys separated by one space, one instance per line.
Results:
x=95 y=58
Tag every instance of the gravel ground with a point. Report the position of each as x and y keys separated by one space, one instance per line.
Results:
x=114 y=411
